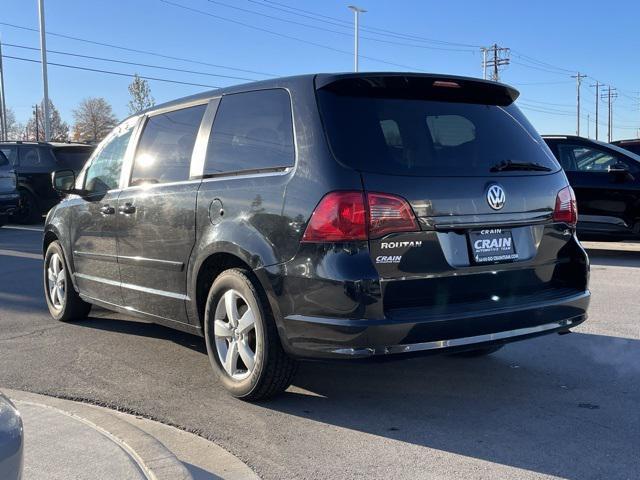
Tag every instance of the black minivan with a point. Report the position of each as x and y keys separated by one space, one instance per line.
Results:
x=335 y=216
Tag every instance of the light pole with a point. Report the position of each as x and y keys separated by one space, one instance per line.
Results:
x=45 y=81
x=356 y=11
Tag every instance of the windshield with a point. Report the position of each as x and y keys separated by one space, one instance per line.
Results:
x=399 y=136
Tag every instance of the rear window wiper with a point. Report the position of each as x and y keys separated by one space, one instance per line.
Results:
x=508 y=165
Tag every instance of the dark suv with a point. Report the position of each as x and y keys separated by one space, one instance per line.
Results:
x=334 y=216
x=8 y=194
x=34 y=162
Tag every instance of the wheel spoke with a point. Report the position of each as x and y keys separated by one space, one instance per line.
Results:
x=53 y=293
x=60 y=295
x=232 y=358
x=222 y=329
x=247 y=355
x=50 y=275
x=246 y=322
x=231 y=305
x=54 y=264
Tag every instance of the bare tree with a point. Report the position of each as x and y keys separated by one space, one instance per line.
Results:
x=94 y=119
x=141 y=98
x=59 y=128
x=15 y=130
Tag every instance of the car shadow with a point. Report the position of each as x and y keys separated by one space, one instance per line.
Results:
x=556 y=405
x=614 y=258
x=536 y=405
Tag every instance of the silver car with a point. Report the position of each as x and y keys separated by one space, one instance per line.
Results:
x=11 y=440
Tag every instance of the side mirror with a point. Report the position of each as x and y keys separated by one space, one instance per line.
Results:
x=64 y=181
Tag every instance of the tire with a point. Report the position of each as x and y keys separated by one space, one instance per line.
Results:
x=63 y=301
x=478 y=352
x=28 y=211
x=4 y=219
x=230 y=342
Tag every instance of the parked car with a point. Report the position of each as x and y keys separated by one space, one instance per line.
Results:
x=34 y=162
x=335 y=216
x=606 y=179
x=8 y=194
x=632 y=145
x=11 y=441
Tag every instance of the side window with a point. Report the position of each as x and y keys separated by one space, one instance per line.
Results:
x=11 y=153
x=164 y=151
x=4 y=161
x=251 y=131
x=104 y=172
x=580 y=158
x=30 y=156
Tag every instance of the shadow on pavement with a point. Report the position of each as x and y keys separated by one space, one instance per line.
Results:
x=614 y=258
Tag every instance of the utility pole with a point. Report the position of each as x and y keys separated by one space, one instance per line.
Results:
x=4 y=125
x=578 y=78
x=597 y=85
x=37 y=123
x=45 y=81
x=610 y=94
x=356 y=21
x=498 y=57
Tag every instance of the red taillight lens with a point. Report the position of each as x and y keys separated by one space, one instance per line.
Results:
x=343 y=216
x=339 y=217
x=566 y=207
x=389 y=214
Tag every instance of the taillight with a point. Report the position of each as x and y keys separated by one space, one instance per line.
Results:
x=339 y=217
x=389 y=214
x=344 y=216
x=566 y=207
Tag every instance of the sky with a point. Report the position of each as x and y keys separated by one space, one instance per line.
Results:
x=258 y=39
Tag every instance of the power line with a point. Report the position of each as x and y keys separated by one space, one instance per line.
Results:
x=283 y=35
x=294 y=22
x=134 y=50
x=130 y=75
x=343 y=23
x=91 y=57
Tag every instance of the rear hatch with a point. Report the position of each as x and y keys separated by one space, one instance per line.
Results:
x=72 y=156
x=481 y=182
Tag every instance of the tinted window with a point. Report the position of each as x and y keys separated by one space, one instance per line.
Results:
x=72 y=157
x=4 y=161
x=251 y=131
x=406 y=136
x=33 y=156
x=104 y=172
x=11 y=153
x=582 y=158
x=165 y=148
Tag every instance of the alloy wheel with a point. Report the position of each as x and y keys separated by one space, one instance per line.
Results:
x=235 y=335
x=56 y=281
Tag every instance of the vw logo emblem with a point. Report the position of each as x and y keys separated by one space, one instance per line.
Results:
x=496 y=197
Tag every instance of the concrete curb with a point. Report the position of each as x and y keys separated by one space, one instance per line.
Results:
x=153 y=458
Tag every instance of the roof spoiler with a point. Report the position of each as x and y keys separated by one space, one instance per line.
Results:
x=420 y=87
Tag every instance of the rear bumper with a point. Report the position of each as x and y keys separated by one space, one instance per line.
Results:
x=8 y=203
x=416 y=330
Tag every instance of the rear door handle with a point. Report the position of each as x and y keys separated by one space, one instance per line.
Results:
x=107 y=210
x=127 y=208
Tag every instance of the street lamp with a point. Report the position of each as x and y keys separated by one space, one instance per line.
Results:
x=357 y=11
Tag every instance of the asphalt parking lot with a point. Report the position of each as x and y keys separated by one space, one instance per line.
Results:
x=552 y=407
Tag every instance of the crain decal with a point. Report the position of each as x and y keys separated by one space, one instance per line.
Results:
x=416 y=243
x=388 y=258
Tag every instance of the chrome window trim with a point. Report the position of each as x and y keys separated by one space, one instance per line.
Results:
x=199 y=154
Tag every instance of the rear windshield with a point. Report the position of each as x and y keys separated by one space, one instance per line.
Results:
x=3 y=160
x=72 y=157
x=416 y=137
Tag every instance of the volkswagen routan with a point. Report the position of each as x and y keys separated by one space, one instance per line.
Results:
x=327 y=216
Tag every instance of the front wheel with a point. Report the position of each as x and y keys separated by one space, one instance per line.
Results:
x=242 y=340
x=63 y=301
x=28 y=211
